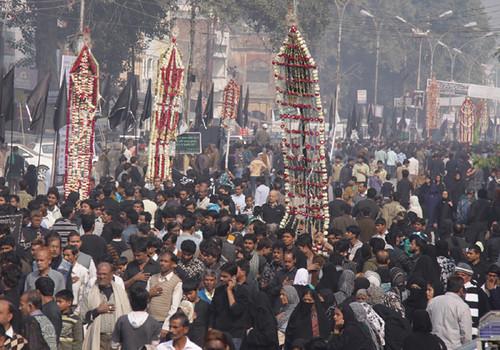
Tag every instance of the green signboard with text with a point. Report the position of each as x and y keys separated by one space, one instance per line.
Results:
x=188 y=143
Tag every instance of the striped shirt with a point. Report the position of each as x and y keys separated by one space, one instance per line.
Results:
x=472 y=300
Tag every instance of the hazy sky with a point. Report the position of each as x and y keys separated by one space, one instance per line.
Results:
x=493 y=10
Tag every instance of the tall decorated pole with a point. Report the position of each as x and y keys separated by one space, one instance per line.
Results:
x=229 y=110
x=466 y=122
x=166 y=113
x=432 y=117
x=83 y=100
x=303 y=141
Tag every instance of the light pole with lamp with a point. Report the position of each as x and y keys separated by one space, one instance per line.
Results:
x=378 y=28
x=420 y=34
x=341 y=7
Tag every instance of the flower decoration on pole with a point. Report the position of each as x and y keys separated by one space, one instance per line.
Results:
x=432 y=106
x=303 y=142
x=83 y=99
x=230 y=106
x=482 y=121
x=466 y=122
x=166 y=113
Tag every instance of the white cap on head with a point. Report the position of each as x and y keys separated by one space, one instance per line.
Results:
x=264 y=126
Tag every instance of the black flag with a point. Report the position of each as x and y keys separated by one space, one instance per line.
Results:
x=198 y=111
x=245 y=108
x=331 y=116
x=7 y=102
x=352 y=121
x=402 y=123
x=131 y=120
x=240 y=119
x=208 y=115
x=385 y=127
x=373 y=128
x=37 y=104
x=61 y=107
x=491 y=128
x=394 y=123
x=105 y=96
x=147 y=109
x=120 y=111
x=443 y=128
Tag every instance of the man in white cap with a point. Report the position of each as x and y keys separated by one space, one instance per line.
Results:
x=475 y=297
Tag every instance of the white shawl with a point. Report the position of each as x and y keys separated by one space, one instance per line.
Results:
x=92 y=300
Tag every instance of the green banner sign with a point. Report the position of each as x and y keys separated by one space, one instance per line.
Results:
x=188 y=143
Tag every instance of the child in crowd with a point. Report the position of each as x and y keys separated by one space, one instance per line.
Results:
x=72 y=329
x=199 y=326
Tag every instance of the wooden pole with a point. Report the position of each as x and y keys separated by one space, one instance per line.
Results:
x=227 y=146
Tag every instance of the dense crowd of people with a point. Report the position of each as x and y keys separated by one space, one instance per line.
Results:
x=202 y=261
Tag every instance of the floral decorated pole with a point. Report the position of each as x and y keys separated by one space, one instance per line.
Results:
x=231 y=97
x=466 y=122
x=432 y=121
x=482 y=121
x=229 y=108
x=83 y=99
x=166 y=113
x=303 y=142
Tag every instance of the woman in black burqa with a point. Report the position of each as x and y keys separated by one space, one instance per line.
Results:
x=263 y=334
x=421 y=337
x=308 y=320
x=349 y=333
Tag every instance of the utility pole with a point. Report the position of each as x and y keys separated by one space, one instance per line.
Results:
x=341 y=7
x=189 y=82
x=377 y=60
x=82 y=14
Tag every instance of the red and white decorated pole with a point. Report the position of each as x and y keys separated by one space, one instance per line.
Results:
x=466 y=122
x=166 y=113
x=83 y=99
x=229 y=111
x=303 y=141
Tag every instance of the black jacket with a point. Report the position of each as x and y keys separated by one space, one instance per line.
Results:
x=231 y=319
x=263 y=334
x=421 y=337
x=404 y=189
x=396 y=327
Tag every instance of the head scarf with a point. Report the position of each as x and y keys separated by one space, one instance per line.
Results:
x=346 y=286
x=301 y=278
x=286 y=310
x=375 y=295
x=415 y=207
x=362 y=317
x=373 y=277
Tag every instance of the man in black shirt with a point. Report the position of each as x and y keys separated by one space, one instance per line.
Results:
x=338 y=205
x=272 y=212
x=117 y=242
x=138 y=271
x=46 y=287
x=229 y=308
x=93 y=245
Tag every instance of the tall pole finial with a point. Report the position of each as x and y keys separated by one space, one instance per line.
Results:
x=292 y=12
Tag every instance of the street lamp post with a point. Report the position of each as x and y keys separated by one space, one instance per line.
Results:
x=378 y=27
x=341 y=7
